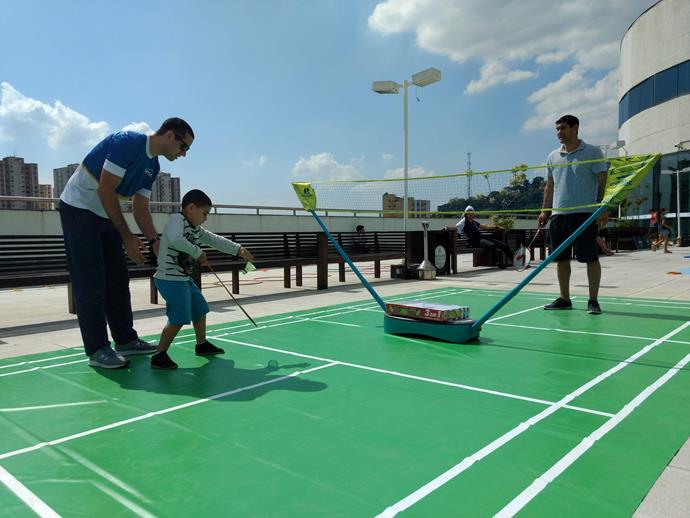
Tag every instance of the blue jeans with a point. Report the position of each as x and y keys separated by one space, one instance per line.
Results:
x=98 y=271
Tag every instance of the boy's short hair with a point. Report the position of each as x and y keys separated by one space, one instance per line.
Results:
x=570 y=120
x=359 y=227
x=197 y=197
x=176 y=125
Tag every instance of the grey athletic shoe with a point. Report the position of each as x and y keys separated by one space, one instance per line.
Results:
x=106 y=358
x=136 y=346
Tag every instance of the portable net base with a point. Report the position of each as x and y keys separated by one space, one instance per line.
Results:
x=454 y=331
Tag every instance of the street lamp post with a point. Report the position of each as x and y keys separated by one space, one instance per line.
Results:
x=421 y=79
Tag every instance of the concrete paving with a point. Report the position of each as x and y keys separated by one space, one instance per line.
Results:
x=34 y=320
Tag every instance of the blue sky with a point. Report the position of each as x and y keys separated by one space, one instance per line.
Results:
x=278 y=91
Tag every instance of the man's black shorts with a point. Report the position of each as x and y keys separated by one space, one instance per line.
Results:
x=563 y=225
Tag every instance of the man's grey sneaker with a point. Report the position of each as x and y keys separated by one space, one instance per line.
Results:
x=136 y=346
x=593 y=308
x=207 y=349
x=559 y=303
x=162 y=361
x=106 y=358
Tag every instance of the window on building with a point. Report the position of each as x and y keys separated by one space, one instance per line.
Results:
x=646 y=94
x=623 y=110
x=666 y=85
x=684 y=78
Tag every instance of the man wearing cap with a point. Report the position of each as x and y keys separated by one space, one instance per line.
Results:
x=470 y=227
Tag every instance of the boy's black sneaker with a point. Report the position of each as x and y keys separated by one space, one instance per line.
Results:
x=207 y=349
x=559 y=303
x=162 y=361
x=593 y=308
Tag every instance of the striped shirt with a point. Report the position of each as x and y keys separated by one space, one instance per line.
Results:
x=181 y=237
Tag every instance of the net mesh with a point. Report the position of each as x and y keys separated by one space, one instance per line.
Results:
x=518 y=190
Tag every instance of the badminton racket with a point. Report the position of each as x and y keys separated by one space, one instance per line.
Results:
x=523 y=257
x=231 y=295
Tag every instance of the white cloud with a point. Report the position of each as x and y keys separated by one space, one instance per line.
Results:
x=494 y=73
x=592 y=101
x=552 y=57
x=387 y=157
x=323 y=167
x=25 y=119
x=417 y=171
x=512 y=39
x=141 y=127
x=257 y=162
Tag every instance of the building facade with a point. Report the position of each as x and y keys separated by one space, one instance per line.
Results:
x=166 y=188
x=654 y=105
x=45 y=190
x=60 y=177
x=18 y=178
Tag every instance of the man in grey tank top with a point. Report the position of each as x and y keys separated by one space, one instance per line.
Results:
x=573 y=192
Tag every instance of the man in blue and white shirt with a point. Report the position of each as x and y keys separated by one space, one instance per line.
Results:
x=122 y=167
x=574 y=187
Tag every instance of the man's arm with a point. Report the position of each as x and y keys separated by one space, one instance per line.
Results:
x=142 y=215
x=107 y=184
x=547 y=203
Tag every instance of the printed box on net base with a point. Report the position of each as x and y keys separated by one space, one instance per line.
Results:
x=428 y=311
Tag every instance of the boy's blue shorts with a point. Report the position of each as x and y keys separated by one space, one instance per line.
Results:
x=183 y=301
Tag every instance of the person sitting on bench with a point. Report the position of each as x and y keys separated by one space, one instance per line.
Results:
x=471 y=228
x=359 y=241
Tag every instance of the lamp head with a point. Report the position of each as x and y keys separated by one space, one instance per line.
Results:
x=385 y=87
x=426 y=77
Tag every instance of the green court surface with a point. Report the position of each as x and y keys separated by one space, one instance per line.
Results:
x=550 y=412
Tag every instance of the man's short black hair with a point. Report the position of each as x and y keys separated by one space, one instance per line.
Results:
x=177 y=125
x=570 y=120
x=359 y=227
x=197 y=197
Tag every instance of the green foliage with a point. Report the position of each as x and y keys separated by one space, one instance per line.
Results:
x=520 y=193
x=504 y=221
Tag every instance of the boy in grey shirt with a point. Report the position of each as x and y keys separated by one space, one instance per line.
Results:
x=573 y=191
x=179 y=251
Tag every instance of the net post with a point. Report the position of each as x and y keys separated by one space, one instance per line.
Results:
x=565 y=244
x=347 y=259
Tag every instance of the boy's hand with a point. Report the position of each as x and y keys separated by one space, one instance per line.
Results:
x=203 y=261
x=245 y=254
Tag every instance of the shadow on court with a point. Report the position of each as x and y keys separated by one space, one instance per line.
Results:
x=215 y=376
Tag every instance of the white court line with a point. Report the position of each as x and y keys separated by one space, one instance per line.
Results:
x=41 y=368
x=39 y=361
x=513 y=314
x=467 y=462
x=104 y=474
x=149 y=415
x=574 y=331
x=536 y=487
x=25 y=495
x=334 y=323
x=435 y=293
x=299 y=319
x=413 y=377
x=125 y=502
x=47 y=407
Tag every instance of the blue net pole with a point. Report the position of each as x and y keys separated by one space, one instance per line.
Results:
x=347 y=259
x=565 y=244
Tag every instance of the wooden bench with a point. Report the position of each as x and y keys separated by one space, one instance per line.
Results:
x=374 y=246
x=270 y=250
x=41 y=260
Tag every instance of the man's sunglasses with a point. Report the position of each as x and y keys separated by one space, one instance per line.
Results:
x=184 y=147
